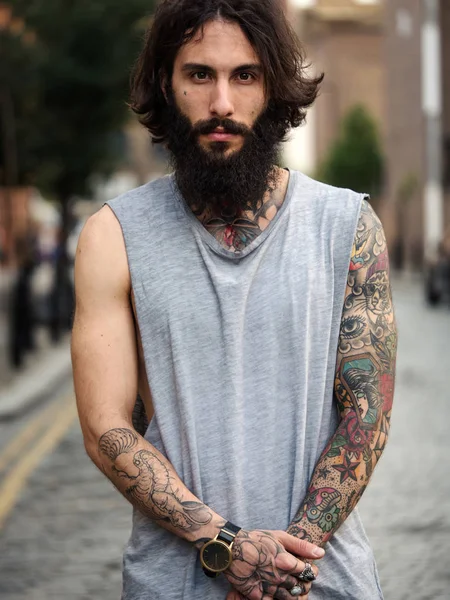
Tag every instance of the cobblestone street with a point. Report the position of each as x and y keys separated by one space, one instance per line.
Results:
x=406 y=510
x=64 y=537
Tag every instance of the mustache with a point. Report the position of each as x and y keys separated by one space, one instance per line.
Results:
x=210 y=125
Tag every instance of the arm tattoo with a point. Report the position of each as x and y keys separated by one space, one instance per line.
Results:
x=116 y=442
x=150 y=485
x=364 y=388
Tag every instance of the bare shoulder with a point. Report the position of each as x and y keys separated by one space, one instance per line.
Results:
x=102 y=233
x=101 y=262
x=368 y=216
x=370 y=242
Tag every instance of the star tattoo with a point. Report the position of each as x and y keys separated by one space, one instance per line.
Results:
x=324 y=473
x=347 y=470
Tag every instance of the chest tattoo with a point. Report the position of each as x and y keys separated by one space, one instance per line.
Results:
x=236 y=232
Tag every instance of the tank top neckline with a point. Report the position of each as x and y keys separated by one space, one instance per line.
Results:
x=211 y=240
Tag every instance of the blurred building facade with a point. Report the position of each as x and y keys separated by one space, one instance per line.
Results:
x=392 y=56
x=344 y=40
x=14 y=221
x=373 y=52
x=418 y=126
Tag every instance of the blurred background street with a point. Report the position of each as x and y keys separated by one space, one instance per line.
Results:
x=68 y=143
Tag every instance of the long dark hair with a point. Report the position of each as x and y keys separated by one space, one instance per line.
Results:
x=290 y=91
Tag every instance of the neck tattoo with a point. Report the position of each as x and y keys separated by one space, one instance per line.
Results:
x=236 y=227
x=230 y=213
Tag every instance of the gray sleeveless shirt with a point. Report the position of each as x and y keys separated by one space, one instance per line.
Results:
x=240 y=353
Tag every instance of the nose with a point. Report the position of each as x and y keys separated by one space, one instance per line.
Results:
x=221 y=104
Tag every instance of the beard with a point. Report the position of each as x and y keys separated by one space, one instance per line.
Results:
x=208 y=178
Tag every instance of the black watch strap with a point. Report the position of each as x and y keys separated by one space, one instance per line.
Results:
x=209 y=573
x=228 y=533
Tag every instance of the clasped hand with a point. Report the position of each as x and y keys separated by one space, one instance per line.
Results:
x=266 y=565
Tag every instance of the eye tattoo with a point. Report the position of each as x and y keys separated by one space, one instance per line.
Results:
x=352 y=327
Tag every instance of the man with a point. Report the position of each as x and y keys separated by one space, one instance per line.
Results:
x=250 y=307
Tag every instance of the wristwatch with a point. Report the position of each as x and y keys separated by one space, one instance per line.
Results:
x=216 y=555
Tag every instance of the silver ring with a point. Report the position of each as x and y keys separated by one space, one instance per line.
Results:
x=307 y=574
x=298 y=590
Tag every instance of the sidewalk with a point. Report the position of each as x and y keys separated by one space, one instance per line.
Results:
x=43 y=370
x=42 y=374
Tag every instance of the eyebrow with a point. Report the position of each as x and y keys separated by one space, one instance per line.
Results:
x=207 y=69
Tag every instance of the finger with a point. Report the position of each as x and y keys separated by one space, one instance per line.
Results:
x=292 y=582
x=308 y=573
x=234 y=595
x=282 y=594
x=312 y=565
x=283 y=590
x=288 y=564
x=272 y=589
x=289 y=582
x=300 y=588
x=300 y=547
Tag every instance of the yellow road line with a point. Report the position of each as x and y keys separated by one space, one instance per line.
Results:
x=14 y=483
x=16 y=446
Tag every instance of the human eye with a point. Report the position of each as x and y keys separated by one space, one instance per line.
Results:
x=200 y=76
x=245 y=77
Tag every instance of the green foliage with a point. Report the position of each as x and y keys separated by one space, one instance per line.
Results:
x=355 y=160
x=68 y=74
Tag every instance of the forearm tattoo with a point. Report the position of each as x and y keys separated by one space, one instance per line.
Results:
x=364 y=388
x=149 y=483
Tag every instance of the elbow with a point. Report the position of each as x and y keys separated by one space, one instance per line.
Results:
x=92 y=450
x=94 y=427
x=94 y=455
x=90 y=440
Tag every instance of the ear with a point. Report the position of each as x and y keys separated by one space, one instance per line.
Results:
x=163 y=84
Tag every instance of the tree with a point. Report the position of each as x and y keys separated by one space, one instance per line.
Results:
x=355 y=160
x=83 y=52
x=70 y=106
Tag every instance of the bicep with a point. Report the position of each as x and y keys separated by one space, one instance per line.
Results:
x=366 y=354
x=104 y=354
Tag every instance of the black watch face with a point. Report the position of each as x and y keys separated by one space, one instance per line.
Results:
x=216 y=556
